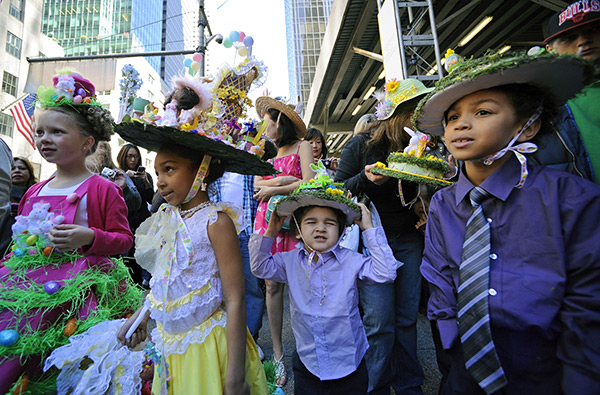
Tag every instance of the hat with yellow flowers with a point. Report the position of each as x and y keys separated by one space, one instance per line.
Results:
x=396 y=93
x=320 y=191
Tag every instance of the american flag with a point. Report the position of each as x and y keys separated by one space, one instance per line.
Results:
x=22 y=113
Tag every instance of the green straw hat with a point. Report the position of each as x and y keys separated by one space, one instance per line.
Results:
x=396 y=93
x=563 y=75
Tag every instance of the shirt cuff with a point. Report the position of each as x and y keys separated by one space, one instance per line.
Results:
x=264 y=242
x=448 y=332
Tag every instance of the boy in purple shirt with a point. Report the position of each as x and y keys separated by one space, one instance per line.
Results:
x=512 y=253
x=330 y=338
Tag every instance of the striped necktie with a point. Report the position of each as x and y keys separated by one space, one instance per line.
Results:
x=481 y=359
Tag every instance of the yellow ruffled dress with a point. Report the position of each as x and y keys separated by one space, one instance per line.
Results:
x=186 y=300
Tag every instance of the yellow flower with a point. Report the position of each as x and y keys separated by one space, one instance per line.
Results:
x=380 y=165
x=392 y=85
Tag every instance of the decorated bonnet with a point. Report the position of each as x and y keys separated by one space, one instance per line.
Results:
x=395 y=93
x=320 y=191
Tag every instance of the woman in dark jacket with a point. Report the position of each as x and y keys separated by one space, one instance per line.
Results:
x=389 y=310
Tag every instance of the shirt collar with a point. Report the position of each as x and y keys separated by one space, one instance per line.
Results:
x=336 y=251
x=499 y=184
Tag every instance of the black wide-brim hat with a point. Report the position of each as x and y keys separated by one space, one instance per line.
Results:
x=562 y=75
x=153 y=138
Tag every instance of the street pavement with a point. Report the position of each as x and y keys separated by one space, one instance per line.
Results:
x=426 y=350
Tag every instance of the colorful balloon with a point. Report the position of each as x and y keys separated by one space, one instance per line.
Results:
x=234 y=36
x=227 y=43
x=248 y=41
x=243 y=51
x=197 y=57
x=242 y=35
x=195 y=66
x=187 y=62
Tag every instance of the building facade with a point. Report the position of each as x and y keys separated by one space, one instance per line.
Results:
x=305 y=21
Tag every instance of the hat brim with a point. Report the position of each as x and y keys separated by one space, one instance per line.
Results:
x=563 y=75
x=153 y=138
x=573 y=26
x=304 y=198
x=264 y=103
x=414 y=100
x=402 y=175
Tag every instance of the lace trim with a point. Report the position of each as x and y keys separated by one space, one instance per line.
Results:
x=178 y=303
x=179 y=343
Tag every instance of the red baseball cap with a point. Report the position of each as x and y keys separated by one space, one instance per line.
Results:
x=577 y=14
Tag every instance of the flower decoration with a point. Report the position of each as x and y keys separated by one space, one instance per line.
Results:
x=130 y=84
x=392 y=85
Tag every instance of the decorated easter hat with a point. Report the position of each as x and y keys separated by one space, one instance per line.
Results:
x=320 y=191
x=69 y=89
x=563 y=75
x=396 y=93
x=265 y=103
x=577 y=14
x=427 y=169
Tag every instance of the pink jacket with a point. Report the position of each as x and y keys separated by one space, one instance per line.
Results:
x=107 y=216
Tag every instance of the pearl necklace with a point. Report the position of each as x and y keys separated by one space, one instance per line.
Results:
x=190 y=212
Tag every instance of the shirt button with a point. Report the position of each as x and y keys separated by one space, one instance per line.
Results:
x=489 y=220
x=493 y=292
x=493 y=257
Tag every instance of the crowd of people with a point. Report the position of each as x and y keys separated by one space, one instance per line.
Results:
x=505 y=257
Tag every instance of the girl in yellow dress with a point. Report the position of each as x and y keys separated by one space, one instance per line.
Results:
x=190 y=248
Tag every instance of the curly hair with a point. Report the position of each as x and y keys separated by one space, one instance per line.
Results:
x=93 y=121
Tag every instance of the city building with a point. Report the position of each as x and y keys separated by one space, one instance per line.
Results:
x=305 y=22
x=20 y=38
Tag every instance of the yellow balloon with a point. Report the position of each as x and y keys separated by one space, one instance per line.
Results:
x=243 y=51
x=195 y=66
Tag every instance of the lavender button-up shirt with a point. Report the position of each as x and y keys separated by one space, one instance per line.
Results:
x=330 y=338
x=544 y=260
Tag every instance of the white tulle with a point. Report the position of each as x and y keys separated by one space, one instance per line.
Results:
x=115 y=369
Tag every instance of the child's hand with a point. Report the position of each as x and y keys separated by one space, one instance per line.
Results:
x=264 y=193
x=422 y=221
x=275 y=225
x=366 y=221
x=67 y=237
x=140 y=334
x=376 y=179
x=453 y=170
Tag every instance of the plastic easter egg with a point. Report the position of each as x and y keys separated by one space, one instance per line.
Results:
x=242 y=36
x=31 y=240
x=54 y=97
x=51 y=287
x=70 y=328
x=227 y=43
x=32 y=251
x=87 y=100
x=8 y=337
x=197 y=57
x=81 y=92
x=234 y=36
x=21 y=386
x=77 y=99
x=278 y=391
x=72 y=198
x=48 y=251
x=19 y=252
x=187 y=62
x=248 y=41
x=243 y=51
x=195 y=66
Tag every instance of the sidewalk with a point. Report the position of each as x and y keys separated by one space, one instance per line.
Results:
x=425 y=348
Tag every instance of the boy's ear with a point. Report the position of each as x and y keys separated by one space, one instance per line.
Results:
x=531 y=131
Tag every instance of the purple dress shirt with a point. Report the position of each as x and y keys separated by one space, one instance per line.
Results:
x=544 y=261
x=330 y=338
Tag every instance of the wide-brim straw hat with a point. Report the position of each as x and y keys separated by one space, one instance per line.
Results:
x=398 y=93
x=265 y=103
x=437 y=183
x=320 y=194
x=153 y=138
x=562 y=75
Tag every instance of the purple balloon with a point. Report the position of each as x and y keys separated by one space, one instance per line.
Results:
x=248 y=41
x=51 y=287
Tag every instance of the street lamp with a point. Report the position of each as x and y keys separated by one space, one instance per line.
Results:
x=203 y=23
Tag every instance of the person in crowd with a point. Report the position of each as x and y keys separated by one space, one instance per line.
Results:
x=293 y=160
x=319 y=149
x=78 y=219
x=389 y=310
x=509 y=248
x=6 y=162
x=197 y=292
x=365 y=122
x=322 y=279
x=575 y=145
x=130 y=161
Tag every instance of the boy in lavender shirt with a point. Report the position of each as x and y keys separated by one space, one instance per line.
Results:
x=330 y=338
x=512 y=253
